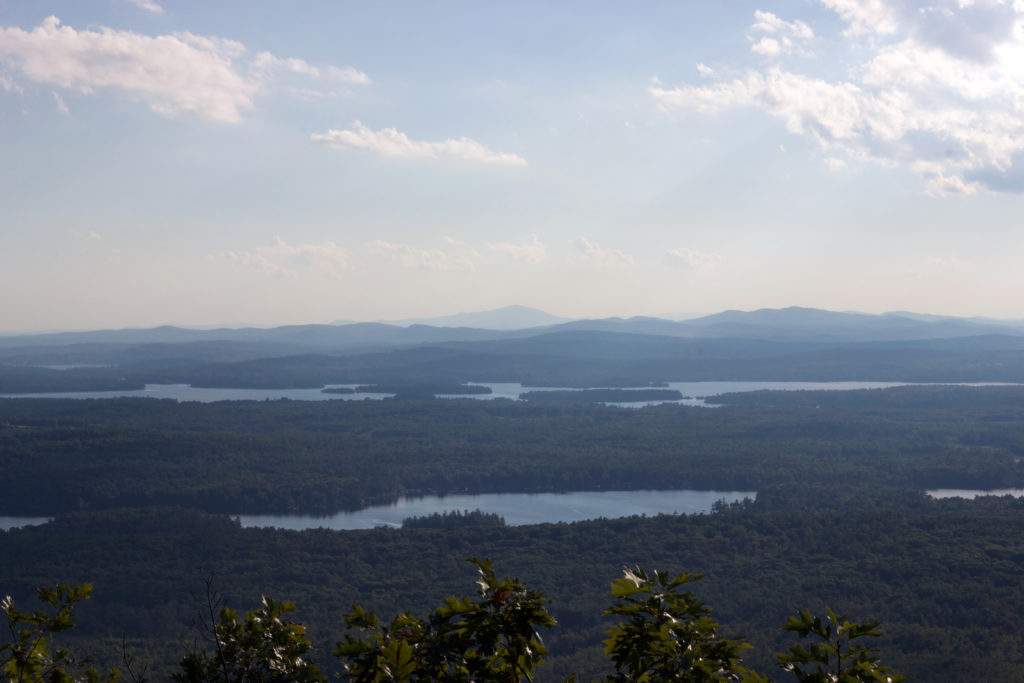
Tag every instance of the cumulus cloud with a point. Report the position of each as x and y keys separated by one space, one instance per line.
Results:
x=778 y=36
x=281 y=259
x=593 y=254
x=174 y=74
x=688 y=259
x=865 y=16
x=941 y=93
x=409 y=256
x=767 y=22
x=530 y=251
x=391 y=142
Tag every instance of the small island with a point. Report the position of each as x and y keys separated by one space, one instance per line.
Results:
x=603 y=395
x=454 y=519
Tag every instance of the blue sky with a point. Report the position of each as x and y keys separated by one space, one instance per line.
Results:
x=207 y=163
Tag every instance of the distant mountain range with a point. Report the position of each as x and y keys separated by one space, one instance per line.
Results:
x=769 y=344
x=794 y=324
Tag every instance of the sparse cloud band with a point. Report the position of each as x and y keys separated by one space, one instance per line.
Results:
x=688 y=259
x=594 y=254
x=530 y=251
x=393 y=143
x=281 y=259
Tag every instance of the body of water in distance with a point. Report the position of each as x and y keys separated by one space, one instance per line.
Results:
x=971 y=494
x=694 y=393
x=18 y=522
x=516 y=508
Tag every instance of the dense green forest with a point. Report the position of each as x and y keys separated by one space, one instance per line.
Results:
x=944 y=576
x=554 y=359
x=663 y=632
x=140 y=488
x=318 y=457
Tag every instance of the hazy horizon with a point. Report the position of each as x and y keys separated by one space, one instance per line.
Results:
x=438 y=320
x=255 y=163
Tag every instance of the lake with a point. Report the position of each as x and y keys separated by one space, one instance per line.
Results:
x=18 y=522
x=694 y=393
x=517 y=508
x=974 y=493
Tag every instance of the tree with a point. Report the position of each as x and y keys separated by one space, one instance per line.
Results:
x=31 y=654
x=263 y=648
x=833 y=657
x=491 y=639
x=669 y=634
x=666 y=635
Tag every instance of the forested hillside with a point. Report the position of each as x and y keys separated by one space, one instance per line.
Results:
x=942 y=575
x=280 y=456
x=840 y=518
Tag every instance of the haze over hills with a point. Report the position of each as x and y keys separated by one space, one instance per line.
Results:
x=512 y=322
x=768 y=344
x=504 y=318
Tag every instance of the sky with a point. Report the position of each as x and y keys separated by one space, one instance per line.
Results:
x=267 y=163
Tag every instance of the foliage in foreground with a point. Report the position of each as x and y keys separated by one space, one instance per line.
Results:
x=30 y=655
x=665 y=634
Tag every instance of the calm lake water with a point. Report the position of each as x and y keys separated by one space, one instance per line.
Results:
x=186 y=392
x=517 y=508
x=694 y=393
x=974 y=493
x=18 y=522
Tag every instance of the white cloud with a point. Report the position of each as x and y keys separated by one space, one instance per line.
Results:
x=766 y=22
x=942 y=107
x=705 y=70
x=62 y=106
x=593 y=254
x=767 y=46
x=531 y=251
x=148 y=5
x=865 y=16
x=941 y=185
x=688 y=259
x=390 y=142
x=284 y=260
x=265 y=61
x=426 y=259
x=348 y=75
x=174 y=74
x=834 y=164
x=966 y=28
x=265 y=64
x=780 y=36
